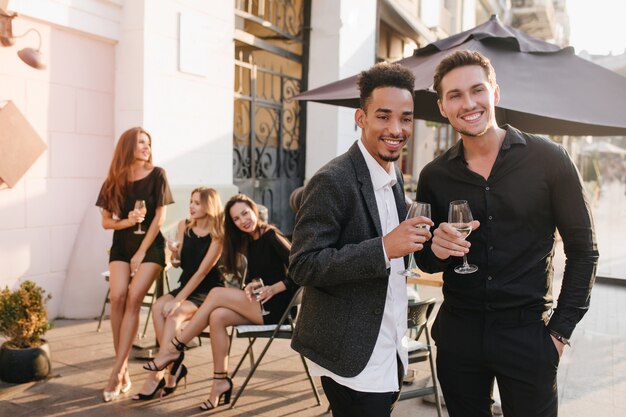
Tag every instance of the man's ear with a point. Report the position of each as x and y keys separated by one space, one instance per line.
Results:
x=496 y=95
x=359 y=117
x=441 y=110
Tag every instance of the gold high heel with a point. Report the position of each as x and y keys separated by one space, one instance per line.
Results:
x=108 y=396
x=126 y=387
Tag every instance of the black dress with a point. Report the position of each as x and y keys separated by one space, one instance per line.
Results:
x=268 y=259
x=155 y=190
x=193 y=251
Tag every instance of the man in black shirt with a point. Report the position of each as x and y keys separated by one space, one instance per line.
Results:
x=496 y=322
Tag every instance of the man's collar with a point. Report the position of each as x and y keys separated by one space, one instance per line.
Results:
x=380 y=176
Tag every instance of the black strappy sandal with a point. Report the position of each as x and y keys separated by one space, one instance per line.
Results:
x=208 y=405
x=180 y=346
x=170 y=390
x=147 y=397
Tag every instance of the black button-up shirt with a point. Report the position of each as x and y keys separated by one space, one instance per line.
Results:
x=533 y=189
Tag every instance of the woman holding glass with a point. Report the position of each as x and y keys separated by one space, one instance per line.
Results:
x=267 y=252
x=202 y=238
x=133 y=199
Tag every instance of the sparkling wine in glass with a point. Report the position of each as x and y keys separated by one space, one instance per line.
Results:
x=460 y=217
x=256 y=290
x=174 y=245
x=415 y=210
x=140 y=207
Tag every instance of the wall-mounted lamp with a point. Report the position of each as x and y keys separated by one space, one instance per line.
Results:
x=30 y=56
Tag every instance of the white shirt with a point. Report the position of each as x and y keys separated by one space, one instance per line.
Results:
x=381 y=372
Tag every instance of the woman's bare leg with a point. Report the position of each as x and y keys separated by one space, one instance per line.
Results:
x=220 y=320
x=119 y=278
x=229 y=298
x=158 y=320
x=137 y=289
x=173 y=324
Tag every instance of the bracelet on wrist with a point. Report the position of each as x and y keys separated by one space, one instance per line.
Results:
x=560 y=338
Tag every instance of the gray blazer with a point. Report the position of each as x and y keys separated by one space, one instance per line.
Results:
x=337 y=255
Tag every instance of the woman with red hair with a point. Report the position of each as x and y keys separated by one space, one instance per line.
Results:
x=134 y=195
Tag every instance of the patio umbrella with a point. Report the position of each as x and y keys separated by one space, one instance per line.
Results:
x=543 y=88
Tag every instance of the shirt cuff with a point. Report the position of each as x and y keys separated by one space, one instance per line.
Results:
x=387 y=260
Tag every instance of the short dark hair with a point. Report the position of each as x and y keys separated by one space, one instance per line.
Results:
x=462 y=59
x=384 y=74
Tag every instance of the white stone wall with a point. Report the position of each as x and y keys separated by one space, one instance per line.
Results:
x=70 y=105
x=343 y=41
x=190 y=115
x=113 y=64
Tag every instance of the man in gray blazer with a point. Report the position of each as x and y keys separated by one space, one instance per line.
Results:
x=348 y=247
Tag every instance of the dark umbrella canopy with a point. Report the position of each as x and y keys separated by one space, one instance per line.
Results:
x=543 y=88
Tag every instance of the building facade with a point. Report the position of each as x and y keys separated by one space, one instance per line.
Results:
x=213 y=86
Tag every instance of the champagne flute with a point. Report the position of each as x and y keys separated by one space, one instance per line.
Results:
x=256 y=290
x=415 y=210
x=140 y=207
x=174 y=244
x=460 y=217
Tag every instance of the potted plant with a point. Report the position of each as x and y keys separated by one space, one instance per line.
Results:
x=24 y=356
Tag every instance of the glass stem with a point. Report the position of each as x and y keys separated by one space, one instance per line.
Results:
x=411 y=261
x=465 y=264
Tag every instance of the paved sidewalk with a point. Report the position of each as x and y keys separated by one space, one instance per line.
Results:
x=592 y=375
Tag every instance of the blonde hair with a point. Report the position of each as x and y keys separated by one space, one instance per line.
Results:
x=212 y=205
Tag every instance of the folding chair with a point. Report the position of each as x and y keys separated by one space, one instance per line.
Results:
x=417 y=320
x=152 y=294
x=282 y=330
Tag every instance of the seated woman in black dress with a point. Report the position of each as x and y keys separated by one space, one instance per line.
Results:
x=133 y=199
x=202 y=238
x=267 y=251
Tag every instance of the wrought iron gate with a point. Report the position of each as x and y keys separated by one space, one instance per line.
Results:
x=268 y=142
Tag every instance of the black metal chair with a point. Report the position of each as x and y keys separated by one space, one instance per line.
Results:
x=417 y=322
x=282 y=330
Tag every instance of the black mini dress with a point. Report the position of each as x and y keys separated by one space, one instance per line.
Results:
x=155 y=191
x=193 y=251
x=268 y=259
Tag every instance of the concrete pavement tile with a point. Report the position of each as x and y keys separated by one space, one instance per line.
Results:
x=11 y=409
x=416 y=407
x=591 y=374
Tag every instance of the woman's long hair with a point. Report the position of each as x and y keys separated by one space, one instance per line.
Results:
x=120 y=172
x=236 y=241
x=212 y=205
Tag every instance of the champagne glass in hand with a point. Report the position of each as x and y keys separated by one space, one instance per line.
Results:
x=174 y=245
x=256 y=290
x=460 y=217
x=415 y=210
x=140 y=207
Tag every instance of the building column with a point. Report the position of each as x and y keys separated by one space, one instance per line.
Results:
x=175 y=77
x=343 y=42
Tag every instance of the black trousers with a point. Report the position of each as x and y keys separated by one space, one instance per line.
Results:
x=513 y=347
x=346 y=402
